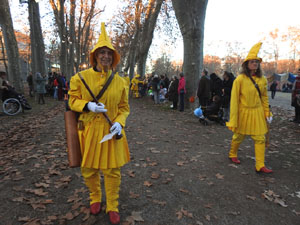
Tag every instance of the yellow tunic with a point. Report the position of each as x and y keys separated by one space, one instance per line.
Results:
x=135 y=84
x=248 y=111
x=113 y=153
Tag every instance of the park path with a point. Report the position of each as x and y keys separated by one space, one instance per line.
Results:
x=179 y=172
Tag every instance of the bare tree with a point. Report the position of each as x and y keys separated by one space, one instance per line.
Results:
x=36 y=37
x=10 y=45
x=59 y=15
x=147 y=33
x=190 y=15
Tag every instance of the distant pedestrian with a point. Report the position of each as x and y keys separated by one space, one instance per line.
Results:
x=173 y=91
x=181 y=92
x=40 y=87
x=228 y=79
x=155 y=86
x=215 y=85
x=30 y=84
x=296 y=98
x=273 y=89
x=203 y=91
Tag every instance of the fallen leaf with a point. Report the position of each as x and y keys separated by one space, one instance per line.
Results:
x=183 y=190
x=137 y=216
x=147 y=183
x=133 y=195
x=180 y=163
x=179 y=215
x=251 y=197
x=155 y=175
x=131 y=173
x=220 y=176
x=24 y=219
x=162 y=203
x=207 y=217
x=209 y=206
x=280 y=202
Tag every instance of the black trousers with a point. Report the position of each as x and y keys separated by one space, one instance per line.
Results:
x=273 y=94
x=181 y=102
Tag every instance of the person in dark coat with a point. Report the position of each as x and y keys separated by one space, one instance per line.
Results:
x=296 y=98
x=215 y=85
x=40 y=87
x=203 y=91
x=172 y=92
x=228 y=79
x=273 y=89
x=155 y=86
x=30 y=84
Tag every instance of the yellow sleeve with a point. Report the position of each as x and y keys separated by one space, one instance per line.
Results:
x=234 y=104
x=76 y=102
x=123 y=108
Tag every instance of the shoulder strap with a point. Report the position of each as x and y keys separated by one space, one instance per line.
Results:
x=256 y=85
x=102 y=90
x=106 y=85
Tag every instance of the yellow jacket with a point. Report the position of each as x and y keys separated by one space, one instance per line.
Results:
x=113 y=153
x=135 y=83
x=248 y=112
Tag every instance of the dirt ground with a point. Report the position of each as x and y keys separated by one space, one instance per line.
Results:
x=179 y=171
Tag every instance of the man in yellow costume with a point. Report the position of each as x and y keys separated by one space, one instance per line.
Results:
x=249 y=109
x=135 y=85
x=111 y=155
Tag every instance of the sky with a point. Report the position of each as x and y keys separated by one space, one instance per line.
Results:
x=242 y=21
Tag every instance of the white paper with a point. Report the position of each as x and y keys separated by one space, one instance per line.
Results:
x=108 y=137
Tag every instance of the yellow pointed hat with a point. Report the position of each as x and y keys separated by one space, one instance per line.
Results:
x=104 y=41
x=254 y=52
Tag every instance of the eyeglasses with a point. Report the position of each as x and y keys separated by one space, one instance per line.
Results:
x=253 y=61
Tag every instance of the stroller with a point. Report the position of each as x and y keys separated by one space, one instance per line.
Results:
x=13 y=102
x=213 y=112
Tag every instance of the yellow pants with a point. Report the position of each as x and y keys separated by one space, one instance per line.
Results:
x=112 y=181
x=259 y=145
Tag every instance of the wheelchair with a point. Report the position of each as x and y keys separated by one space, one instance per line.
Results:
x=13 y=102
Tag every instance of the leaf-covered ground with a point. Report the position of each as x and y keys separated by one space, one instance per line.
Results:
x=179 y=172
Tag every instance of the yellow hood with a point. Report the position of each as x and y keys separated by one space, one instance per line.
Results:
x=254 y=52
x=104 y=41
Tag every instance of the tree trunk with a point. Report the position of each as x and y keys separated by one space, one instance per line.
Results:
x=190 y=15
x=11 y=46
x=37 y=41
x=3 y=54
x=72 y=40
x=60 y=22
x=147 y=34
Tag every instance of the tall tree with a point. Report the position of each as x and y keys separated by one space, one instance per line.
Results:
x=153 y=10
x=72 y=38
x=59 y=15
x=190 y=15
x=10 y=45
x=36 y=37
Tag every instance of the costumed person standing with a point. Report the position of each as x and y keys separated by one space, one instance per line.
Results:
x=249 y=109
x=296 y=97
x=109 y=156
x=135 y=86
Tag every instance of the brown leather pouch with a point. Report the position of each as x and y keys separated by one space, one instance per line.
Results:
x=74 y=153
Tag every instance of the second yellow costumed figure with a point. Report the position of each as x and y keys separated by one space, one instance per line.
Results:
x=110 y=155
x=249 y=109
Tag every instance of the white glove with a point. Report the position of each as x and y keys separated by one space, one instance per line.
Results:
x=96 y=108
x=116 y=127
x=269 y=119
